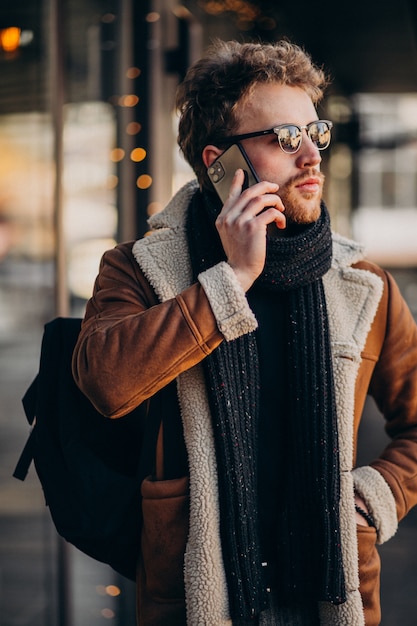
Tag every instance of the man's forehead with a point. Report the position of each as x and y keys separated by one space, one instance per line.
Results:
x=275 y=103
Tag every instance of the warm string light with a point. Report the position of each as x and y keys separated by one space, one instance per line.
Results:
x=10 y=38
x=138 y=154
x=112 y=591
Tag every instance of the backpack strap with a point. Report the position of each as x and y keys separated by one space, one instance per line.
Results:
x=152 y=453
x=159 y=461
x=26 y=457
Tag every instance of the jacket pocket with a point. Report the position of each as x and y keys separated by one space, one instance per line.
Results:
x=165 y=510
x=369 y=574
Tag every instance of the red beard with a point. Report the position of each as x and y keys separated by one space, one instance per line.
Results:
x=301 y=208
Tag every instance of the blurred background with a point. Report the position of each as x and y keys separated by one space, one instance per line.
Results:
x=88 y=151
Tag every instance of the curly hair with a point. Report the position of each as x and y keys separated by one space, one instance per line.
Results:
x=214 y=85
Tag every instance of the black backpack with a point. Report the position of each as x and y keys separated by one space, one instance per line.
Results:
x=90 y=467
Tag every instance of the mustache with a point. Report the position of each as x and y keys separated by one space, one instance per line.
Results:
x=299 y=179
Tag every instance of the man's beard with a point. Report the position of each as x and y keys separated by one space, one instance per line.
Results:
x=301 y=208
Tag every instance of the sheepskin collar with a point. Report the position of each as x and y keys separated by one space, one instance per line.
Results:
x=345 y=251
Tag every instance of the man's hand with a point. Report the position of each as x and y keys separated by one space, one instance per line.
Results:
x=242 y=225
x=361 y=504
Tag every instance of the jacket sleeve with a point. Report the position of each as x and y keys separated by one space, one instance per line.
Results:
x=131 y=345
x=394 y=388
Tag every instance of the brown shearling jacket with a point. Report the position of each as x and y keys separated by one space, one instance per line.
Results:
x=145 y=327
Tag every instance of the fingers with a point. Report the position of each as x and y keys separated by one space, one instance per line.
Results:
x=242 y=226
x=237 y=185
x=259 y=189
x=258 y=201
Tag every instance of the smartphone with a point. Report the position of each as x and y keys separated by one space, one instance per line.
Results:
x=222 y=170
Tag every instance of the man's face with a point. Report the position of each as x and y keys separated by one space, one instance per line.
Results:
x=298 y=175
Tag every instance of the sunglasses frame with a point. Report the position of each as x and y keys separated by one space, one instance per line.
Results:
x=276 y=129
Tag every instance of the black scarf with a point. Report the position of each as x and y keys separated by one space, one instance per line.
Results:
x=294 y=266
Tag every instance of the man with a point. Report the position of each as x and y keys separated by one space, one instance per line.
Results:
x=256 y=334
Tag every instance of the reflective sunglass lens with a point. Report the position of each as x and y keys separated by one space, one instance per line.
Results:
x=289 y=138
x=319 y=134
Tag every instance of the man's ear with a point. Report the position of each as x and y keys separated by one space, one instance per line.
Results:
x=210 y=154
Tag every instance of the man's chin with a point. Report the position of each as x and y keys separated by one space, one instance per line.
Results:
x=308 y=213
x=300 y=208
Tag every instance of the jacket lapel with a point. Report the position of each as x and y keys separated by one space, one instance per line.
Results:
x=163 y=257
x=352 y=298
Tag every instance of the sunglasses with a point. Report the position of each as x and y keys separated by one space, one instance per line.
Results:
x=290 y=136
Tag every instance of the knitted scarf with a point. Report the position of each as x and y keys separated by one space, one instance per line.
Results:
x=294 y=266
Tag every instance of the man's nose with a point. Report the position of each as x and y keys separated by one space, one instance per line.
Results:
x=308 y=154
